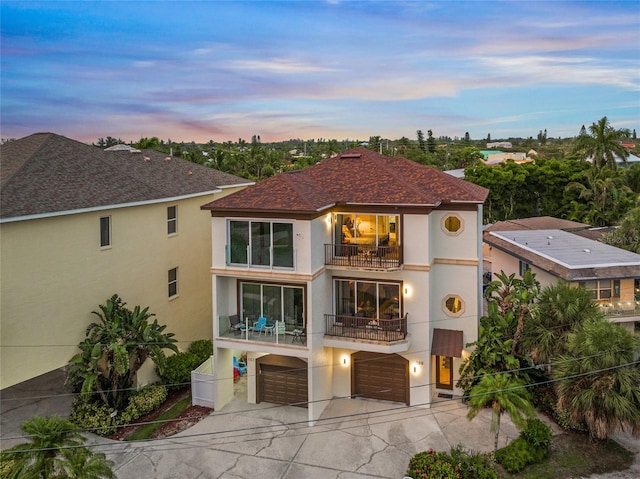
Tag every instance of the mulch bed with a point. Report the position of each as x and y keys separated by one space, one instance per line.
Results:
x=189 y=417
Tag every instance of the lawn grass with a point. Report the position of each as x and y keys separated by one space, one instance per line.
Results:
x=145 y=431
x=574 y=455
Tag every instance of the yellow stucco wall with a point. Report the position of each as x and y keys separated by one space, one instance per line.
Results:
x=54 y=273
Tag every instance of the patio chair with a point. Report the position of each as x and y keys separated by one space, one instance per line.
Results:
x=241 y=366
x=235 y=323
x=260 y=325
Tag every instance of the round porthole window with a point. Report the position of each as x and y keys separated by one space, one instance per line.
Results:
x=453 y=305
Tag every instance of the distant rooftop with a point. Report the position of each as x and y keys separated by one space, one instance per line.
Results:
x=567 y=255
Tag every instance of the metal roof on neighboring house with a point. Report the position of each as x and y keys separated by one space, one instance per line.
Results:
x=356 y=177
x=566 y=255
x=45 y=173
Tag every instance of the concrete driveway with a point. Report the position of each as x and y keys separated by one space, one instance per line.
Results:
x=354 y=439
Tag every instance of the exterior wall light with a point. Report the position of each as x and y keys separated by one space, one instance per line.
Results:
x=345 y=360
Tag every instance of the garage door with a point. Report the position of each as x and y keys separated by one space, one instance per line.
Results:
x=282 y=380
x=380 y=376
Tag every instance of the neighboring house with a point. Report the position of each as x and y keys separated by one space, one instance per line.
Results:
x=79 y=224
x=367 y=270
x=611 y=274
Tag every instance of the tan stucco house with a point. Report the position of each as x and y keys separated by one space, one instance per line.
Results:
x=357 y=277
x=78 y=224
x=561 y=250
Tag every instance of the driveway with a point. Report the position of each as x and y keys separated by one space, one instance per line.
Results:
x=354 y=439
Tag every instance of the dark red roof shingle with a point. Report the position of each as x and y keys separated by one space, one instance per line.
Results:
x=358 y=177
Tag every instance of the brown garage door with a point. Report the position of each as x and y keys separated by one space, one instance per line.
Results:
x=282 y=380
x=380 y=376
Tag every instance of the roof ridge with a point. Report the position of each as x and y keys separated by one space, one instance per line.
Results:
x=299 y=192
x=25 y=161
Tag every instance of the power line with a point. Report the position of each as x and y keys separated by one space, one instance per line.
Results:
x=429 y=403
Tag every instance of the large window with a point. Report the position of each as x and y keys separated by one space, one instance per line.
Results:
x=602 y=290
x=273 y=301
x=261 y=243
x=377 y=230
x=105 y=231
x=367 y=298
x=172 y=220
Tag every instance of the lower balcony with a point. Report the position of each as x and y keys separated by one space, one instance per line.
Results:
x=274 y=333
x=621 y=311
x=369 y=329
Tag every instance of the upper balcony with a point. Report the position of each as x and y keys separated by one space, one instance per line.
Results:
x=363 y=256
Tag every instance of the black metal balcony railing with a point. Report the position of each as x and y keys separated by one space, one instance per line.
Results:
x=362 y=256
x=370 y=329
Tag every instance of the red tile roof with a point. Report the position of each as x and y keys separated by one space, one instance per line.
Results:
x=356 y=177
x=47 y=173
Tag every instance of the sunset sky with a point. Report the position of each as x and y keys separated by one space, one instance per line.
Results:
x=221 y=71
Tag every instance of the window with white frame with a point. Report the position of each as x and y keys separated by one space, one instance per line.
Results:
x=105 y=231
x=173 y=282
x=172 y=220
x=523 y=266
x=603 y=289
x=260 y=243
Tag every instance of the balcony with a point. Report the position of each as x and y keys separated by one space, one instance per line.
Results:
x=380 y=258
x=366 y=329
x=621 y=311
x=278 y=333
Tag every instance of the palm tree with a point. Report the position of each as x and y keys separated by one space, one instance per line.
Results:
x=602 y=145
x=598 y=380
x=503 y=393
x=561 y=307
x=55 y=450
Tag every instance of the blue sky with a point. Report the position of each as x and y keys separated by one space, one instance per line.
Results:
x=305 y=69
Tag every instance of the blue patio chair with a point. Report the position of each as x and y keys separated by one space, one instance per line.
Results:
x=241 y=366
x=260 y=325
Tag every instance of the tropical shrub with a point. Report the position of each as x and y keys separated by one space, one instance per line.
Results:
x=516 y=456
x=177 y=371
x=471 y=464
x=431 y=465
x=531 y=447
x=93 y=416
x=115 y=348
x=537 y=433
x=143 y=402
x=202 y=348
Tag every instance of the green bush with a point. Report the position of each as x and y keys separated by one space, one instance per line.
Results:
x=143 y=402
x=202 y=348
x=537 y=433
x=177 y=370
x=471 y=464
x=516 y=456
x=93 y=416
x=431 y=465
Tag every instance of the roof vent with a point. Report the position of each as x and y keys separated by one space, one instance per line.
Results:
x=168 y=158
x=587 y=250
x=350 y=155
x=549 y=237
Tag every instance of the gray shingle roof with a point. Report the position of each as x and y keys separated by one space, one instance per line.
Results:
x=357 y=177
x=48 y=173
